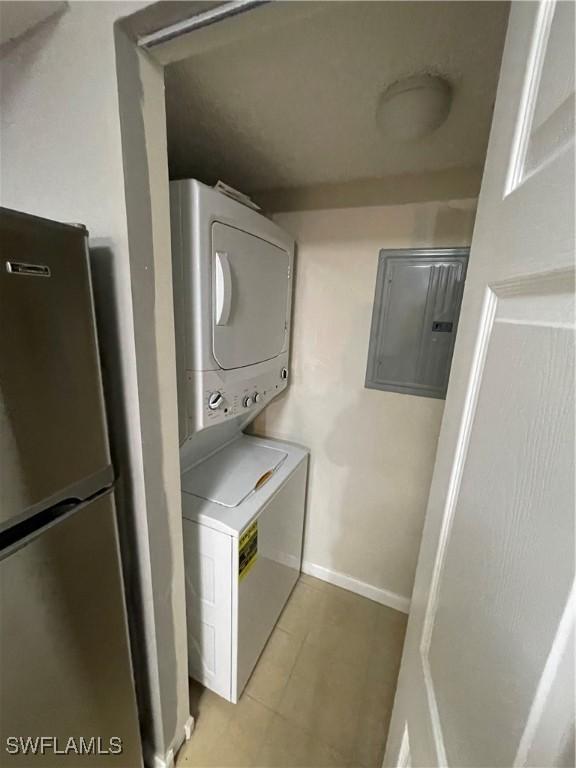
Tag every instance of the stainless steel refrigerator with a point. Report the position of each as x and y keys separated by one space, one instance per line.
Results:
x=65 y=667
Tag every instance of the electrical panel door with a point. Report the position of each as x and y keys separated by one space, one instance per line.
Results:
x=414 y=321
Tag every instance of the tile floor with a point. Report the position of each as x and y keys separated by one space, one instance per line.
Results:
x=321 y=694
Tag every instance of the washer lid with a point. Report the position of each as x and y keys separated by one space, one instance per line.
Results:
x=233 y=473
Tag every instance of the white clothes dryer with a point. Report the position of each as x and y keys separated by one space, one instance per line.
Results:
x=232 y=277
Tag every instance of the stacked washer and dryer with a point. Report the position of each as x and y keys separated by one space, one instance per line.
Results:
x=243 y=497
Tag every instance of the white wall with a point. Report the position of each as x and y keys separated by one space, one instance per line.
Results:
x=372 y=452
x=62 y=158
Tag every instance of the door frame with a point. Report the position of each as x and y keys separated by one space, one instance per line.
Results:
x=147 y=41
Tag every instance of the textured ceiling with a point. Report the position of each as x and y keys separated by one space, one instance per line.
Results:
x=295 y=106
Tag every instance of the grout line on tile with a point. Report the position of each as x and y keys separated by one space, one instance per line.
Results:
x=261 y=703
x=313 y=734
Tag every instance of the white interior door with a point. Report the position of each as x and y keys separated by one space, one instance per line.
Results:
x=487 y=672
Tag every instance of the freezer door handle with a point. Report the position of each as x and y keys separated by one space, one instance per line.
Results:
x=22 y=533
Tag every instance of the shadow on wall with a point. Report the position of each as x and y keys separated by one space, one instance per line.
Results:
x=353 y=433
x=449 y=220
x=39 y=31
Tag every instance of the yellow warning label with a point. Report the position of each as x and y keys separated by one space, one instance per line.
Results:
x=247 y=550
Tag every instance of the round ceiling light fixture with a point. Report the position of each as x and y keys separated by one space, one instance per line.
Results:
x=414 y=107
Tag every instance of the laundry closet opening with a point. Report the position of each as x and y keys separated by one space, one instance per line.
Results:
x=309 y=143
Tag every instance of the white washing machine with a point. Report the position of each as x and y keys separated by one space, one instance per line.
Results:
x=243 y=498
x=243 y=510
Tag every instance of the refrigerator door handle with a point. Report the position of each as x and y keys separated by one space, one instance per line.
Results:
x=21 y=534
x=77 y=492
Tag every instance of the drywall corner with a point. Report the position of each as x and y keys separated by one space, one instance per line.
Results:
x=143 y=131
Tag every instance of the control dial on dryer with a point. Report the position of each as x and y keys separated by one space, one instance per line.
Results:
x=247 y=402
x=215 y=400
x=257 y=397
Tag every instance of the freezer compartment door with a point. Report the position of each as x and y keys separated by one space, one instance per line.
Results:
x=64 y=650
x=52 y=424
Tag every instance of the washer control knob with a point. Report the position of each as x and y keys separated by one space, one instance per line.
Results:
x=247 y=402
x=284 y=373
x=215 y=400
x=257 y=397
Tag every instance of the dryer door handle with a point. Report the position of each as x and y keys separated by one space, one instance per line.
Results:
x=223 y=288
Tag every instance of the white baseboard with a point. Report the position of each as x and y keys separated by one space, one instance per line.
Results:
x=168 y=760
x=188 y=728
x=164 y=761
x=382 y=596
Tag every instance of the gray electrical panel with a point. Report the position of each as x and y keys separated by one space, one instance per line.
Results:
x=414 y=319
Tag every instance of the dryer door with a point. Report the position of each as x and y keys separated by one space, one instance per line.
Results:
x=250 y=290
